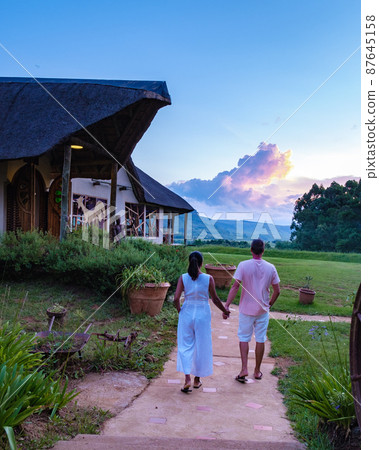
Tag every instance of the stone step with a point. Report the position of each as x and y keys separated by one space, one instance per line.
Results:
x=103 y=442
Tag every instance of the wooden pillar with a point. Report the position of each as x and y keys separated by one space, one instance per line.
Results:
x=114 y=187
x=173 y=228
x=185 y=228
x=32 y=196
x=112 y=210
x=169 y=221
x=65 y=191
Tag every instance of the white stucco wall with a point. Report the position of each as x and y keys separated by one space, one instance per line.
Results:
x=85 y=186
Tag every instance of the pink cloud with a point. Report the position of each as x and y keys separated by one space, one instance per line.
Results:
x=258 y=184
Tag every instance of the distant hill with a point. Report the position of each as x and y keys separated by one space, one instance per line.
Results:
x=203 y=228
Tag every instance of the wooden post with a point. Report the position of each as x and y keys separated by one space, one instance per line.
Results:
x=112 y=210
x=32 y=197
x=65 y=191
x=168 y=227
x=185 y=228
x=173 y=228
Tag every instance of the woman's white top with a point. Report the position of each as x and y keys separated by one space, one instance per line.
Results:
x=197 y=290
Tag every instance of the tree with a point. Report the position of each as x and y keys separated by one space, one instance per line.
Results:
x=328 y=219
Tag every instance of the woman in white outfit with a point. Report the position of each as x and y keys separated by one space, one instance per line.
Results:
x=194 y=327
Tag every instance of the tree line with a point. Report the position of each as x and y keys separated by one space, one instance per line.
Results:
x=328 y=219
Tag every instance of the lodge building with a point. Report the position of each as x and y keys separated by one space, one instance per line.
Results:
x=65 y=157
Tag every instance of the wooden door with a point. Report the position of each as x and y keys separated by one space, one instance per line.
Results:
x=26 y=200
x=55 y=199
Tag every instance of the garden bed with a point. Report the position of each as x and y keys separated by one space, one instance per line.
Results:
x=27 y=301
x=295 y=366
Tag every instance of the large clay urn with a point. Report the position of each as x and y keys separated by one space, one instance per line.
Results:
x=222 y=274
x=306 y=296
x=148 y=299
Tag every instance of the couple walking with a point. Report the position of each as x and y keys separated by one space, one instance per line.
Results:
x=194 y=327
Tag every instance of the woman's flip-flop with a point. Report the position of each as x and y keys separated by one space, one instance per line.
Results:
x=186 y=388
x=198 y=385
x=241 y=379
x=259 y=377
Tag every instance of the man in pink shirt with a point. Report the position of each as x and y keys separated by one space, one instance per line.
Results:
x=256 y=276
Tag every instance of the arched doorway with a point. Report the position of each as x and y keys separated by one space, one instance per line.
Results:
x=27 y=200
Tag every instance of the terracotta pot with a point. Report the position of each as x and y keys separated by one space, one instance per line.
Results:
x=222 y=274
x=148 y=299
x=306 y=296
x=59 y=316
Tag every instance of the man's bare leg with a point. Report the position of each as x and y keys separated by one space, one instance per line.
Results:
x=244 y=351
x=259 y=351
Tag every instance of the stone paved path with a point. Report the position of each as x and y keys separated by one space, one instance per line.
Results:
x=222 y=411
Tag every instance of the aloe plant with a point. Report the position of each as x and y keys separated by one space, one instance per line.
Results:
x=24 y=389
x=307 y=284
x=15 y=345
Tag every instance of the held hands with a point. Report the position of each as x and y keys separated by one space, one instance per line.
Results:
x=226 y=314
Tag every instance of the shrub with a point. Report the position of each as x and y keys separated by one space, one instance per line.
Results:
x=24 y=388
x=82 y=263
x=24 y=251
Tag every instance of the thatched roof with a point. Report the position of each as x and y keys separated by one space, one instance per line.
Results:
x=147 y=190
x=115 y=113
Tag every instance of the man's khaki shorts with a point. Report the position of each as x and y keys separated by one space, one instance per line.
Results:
x=249 y=324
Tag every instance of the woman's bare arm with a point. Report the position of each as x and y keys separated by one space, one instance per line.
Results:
x=178 y=293
x=215 y=298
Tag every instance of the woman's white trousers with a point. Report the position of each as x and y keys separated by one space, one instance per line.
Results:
x=195 y=339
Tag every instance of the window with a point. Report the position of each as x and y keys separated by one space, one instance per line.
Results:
x=82 y=205
x=134 y=219
x=152 y=222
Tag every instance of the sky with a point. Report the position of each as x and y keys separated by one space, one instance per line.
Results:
x=265 y=95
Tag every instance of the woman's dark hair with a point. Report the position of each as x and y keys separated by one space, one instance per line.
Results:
x=195 y=262
x=257 y=246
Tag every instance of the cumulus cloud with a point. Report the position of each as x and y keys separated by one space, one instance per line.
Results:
x=252 y=172
x=258 y=184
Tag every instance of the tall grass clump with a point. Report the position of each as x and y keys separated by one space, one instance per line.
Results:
x=327 y=394
x=24 y=387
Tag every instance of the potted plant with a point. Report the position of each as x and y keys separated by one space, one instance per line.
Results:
x=58 y=312
x=144 y=289
x=222 y=274
x=306 y=294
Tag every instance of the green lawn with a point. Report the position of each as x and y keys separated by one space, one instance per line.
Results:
x=335 y=282
x=293 y=254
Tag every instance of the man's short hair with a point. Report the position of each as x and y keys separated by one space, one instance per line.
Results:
x=257 y=246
